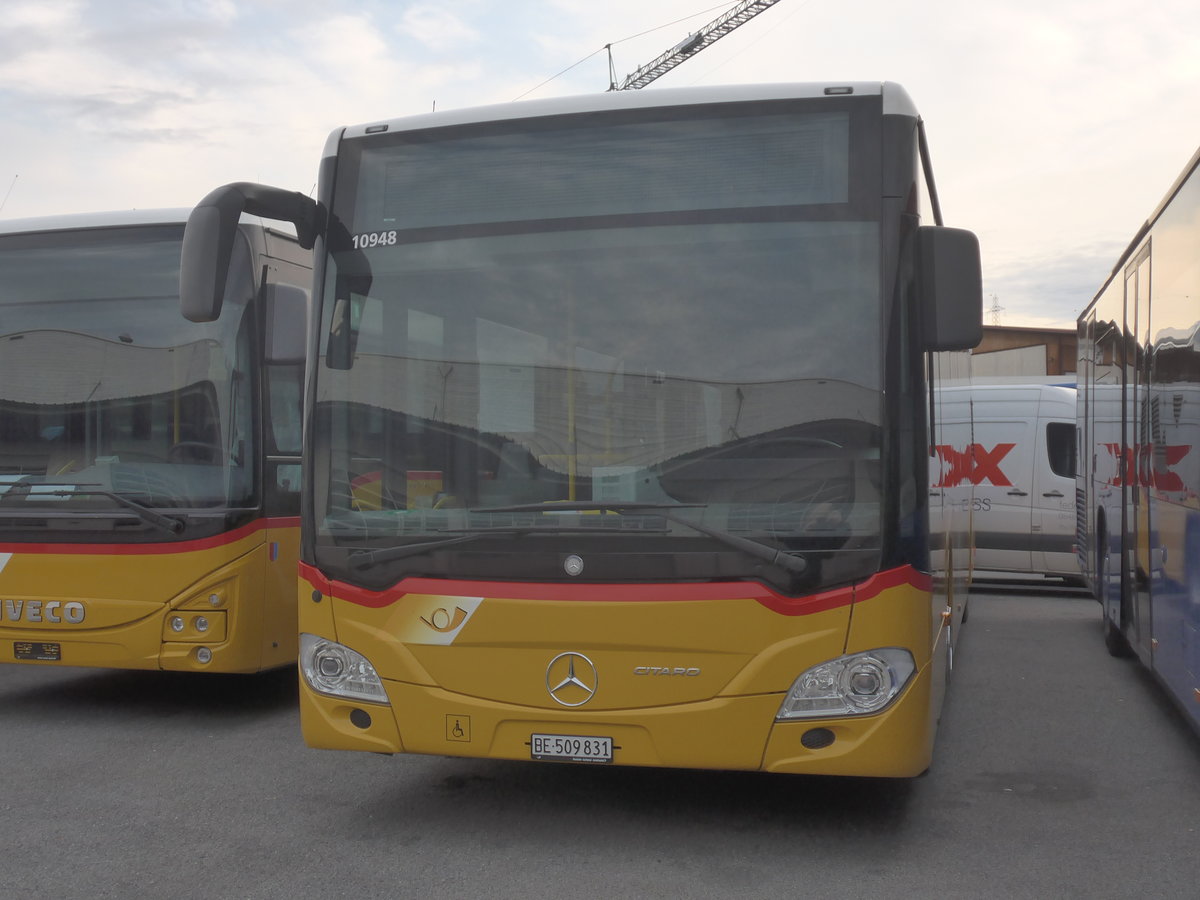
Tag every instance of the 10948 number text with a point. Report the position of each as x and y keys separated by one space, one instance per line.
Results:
x=373 y=239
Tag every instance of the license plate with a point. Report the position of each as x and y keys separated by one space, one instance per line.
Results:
x=571 y=748
x=38 y=650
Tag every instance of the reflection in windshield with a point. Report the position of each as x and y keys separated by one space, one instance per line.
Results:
x=527 y=371
x=676 y=316
x=164 y=449
x=109 y=399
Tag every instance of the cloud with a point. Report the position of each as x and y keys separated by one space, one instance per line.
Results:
x=437 y=28
x=38 y=15
x=1055 y=127
x=1050 y=289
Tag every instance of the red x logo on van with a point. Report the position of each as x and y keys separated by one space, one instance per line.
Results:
x=987 y=464
x=976 y=464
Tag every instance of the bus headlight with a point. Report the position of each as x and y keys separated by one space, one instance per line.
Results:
x=854 y=685
x=334 y=669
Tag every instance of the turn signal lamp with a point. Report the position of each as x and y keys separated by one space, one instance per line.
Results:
x=215 y=596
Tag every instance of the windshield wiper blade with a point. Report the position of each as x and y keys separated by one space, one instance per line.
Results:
x=363 y=558
x=748 y=546
x=147 y=514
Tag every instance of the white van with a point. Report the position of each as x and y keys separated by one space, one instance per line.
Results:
x=1018 y=465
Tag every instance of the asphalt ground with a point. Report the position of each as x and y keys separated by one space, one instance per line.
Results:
x=1059 y=772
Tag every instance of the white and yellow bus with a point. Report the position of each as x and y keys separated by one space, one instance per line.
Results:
x=149 y=466
x=618 y=431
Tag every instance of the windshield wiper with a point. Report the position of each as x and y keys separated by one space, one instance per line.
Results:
x=363 y=558
x=748 y=546
x=147 y=514
x=142 y=511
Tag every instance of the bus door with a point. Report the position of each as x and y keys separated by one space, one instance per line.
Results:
x=1138 y=446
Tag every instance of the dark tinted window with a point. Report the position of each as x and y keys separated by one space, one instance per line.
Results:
x=1060 y=448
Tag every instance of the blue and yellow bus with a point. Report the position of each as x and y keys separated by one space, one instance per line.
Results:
x=1138 y=490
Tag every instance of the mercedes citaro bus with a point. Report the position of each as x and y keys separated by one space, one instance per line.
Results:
x=618 y=427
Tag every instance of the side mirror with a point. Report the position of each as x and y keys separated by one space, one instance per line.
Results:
x=951 y=288
x=286 y=324
x=204 y=261
x=208 y=239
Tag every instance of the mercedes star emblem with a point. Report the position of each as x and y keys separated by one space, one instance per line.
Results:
x=571 y=679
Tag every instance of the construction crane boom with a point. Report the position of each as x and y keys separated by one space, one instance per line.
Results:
x=693 y=44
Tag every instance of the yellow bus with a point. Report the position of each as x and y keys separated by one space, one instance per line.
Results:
x=149 y=466
x=618 y=431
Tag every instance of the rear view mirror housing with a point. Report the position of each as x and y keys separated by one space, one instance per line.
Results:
x=951 y=288
x=209 y=235
x=204 y=263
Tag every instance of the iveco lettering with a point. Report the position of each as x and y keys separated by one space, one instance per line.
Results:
x=48 y=611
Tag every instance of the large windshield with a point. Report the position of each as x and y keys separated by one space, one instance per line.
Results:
x=586 y=342
x=112 y=403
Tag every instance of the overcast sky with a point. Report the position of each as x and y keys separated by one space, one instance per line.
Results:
x=1056 y=126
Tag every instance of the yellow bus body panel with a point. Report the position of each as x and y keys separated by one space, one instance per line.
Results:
x=112 y=607
x=680 y=683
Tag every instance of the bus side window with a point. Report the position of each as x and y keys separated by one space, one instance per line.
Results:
x=284 y=384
